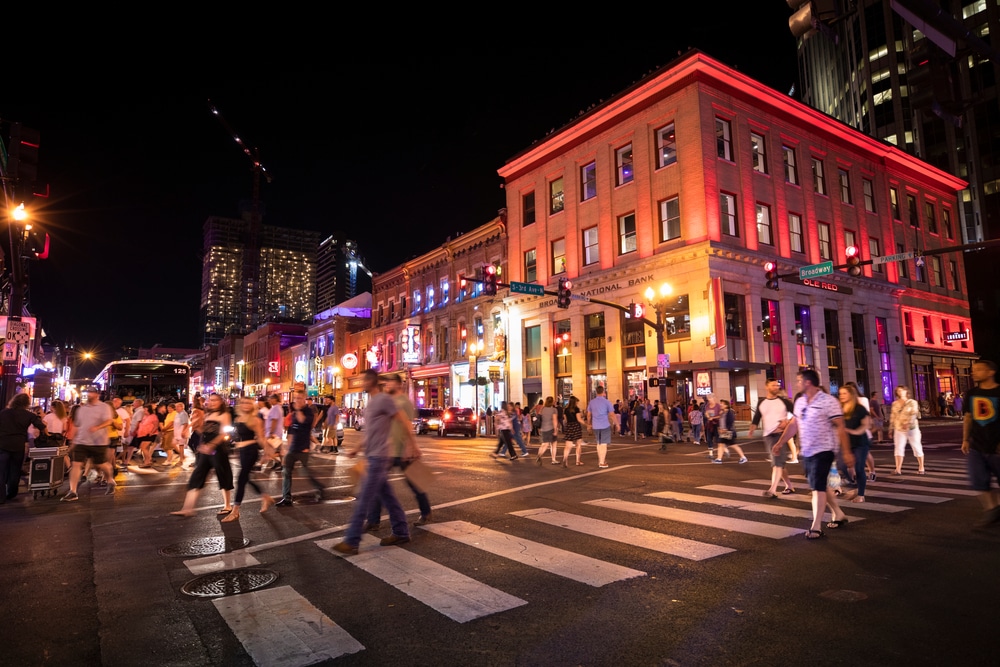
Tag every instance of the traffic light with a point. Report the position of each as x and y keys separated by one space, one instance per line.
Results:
x=853 y=260
x=563 y=298
x=636 y=311
x=22 y=154
x=36 y=243
x=490 y=280
x=770 y=275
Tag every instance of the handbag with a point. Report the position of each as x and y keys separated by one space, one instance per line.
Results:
x=419 y=474
x=726 y=434
x=356 y=473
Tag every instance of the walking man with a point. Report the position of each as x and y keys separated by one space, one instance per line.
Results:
x=90 y=441
x=819 y=425
x=138 y=412
x=182 y=431
x=380 y=414
x=274 y=431
x=299 y=444
x=773 y=413
x=600 y=416
x=981 y=435
x=332 y=417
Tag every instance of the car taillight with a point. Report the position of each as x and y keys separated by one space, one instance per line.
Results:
x=447 y=416
x=473 y=417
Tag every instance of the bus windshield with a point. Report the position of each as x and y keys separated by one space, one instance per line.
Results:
x=151 y=381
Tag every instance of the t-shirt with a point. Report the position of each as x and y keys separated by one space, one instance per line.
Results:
x=379 y=413
x=600 y=410
x=816 y=432
x=274 y=421
x=853 y=421
x=137 y=416
x=398 y=432
x=771 y=412
x=572 y=415
x=126 y=420
x=984 y=406
x=300 y=432
x=547 y=414
x=53 y=423
x=332 y=415
x=181 y=420
x=89 y=415
x=695 y=417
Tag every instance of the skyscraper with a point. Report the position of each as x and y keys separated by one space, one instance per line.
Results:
x=341 y=272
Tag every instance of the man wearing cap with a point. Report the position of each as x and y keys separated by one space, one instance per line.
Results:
x=91 y=420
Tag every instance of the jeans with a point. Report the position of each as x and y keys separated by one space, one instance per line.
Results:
x=376 y=485
x=677 y=428
x=375 y=512
x=10 y=473
x=248 y=459
x=286 y=477
x=520 y=441
x=860 y=458
x=696 y=432
x=712 y=437
x=505 y=443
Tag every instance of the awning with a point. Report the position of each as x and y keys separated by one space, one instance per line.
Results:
x=434 y=370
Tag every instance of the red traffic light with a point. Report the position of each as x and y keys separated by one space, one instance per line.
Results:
x=568 y=285
x=769 y=266
x=490 y=269
x=851 y=251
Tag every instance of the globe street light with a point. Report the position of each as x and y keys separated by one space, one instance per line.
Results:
x=474 y=351
x=659 y=301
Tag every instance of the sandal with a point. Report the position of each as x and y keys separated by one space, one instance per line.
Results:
x=838 y=524
x=814 y=534
x=788 y=491
x=225 y=510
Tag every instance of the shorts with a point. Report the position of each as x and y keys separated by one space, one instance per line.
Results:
x=602 y=436
x=115 y=444
x=982 y=468
x=98 y=454
x=782 y=457
x=548 y=436
x=818 y=469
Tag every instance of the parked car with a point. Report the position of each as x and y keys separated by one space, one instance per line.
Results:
x=458 y=420
x=427 y=420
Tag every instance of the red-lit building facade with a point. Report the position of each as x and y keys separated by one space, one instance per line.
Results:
x=695 y=177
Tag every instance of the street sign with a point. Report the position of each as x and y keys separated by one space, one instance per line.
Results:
x=9 y=351
x=663 y=360
x=816 y=270
x=898 y=257
x=527 y=288
x=654 y=382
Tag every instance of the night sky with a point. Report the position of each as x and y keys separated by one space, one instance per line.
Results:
x=393 y=134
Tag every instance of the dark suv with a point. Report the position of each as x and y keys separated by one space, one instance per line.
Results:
x=459 y=420
x=427 y=420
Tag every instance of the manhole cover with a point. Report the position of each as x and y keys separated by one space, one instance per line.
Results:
x=844 y=596
x=205 y=546
x=230 y=582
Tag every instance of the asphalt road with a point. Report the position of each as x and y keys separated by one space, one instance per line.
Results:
x=661 y=559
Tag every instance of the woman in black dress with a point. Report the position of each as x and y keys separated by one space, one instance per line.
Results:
x=573 y=431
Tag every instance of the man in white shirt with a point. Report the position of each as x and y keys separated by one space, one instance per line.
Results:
x=182 y=430
x=126 y=438
x=138 y=412
x=773 y=413
x=274 y=432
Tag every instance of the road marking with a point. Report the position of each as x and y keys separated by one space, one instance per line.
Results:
x=740 y=505
x=220 y=562
x=914 y=487
x=936 y=477
x=444 y=590
x=805 y=498
x=699 y=518
x=872 y=493
x=564 y=563
x=647 y=539
x=280 y=628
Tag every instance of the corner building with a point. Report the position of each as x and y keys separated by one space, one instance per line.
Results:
x=696 y=176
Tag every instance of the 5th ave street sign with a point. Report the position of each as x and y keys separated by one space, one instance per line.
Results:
x=527 y=288
x=816 y=270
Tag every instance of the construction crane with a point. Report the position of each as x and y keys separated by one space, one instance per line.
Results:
x=252 y=153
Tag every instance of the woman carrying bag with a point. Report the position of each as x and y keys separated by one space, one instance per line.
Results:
x=727 y=433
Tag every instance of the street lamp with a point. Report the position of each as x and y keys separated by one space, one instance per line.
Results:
x=474 y=350
x=335 y=370
x=659 y=301
x=239 y=375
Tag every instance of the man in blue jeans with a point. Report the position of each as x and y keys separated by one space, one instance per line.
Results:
x=518 y=426
x=380 y=414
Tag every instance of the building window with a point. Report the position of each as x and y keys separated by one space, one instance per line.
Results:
x=795 y=232
x=677 y=319
x=591 y=251
x=623 y=164
x=868 y=191
x=666 y=146
x=463 y=339
x=875 y=251
x=430 y=298
x=929 y=216
x=860 y=339
x=416 y=302
x=597 y=358
x=834 y=359
x=563 y=348
x=528 y=208
x=533 y=351
x=819 y=179
x=851 y=239
x=884 y=358
x=588 y=181
x=724 y=139
x=758 y=153
x=791 y=170
x=937 y=278
x=558 y=256
x=770 y=326
x=946 y=223
x=903 y=272
x=911 y=204
x=894 y=204
x=530 y=266
x=845 y=186
x=953 y=271
x=764 y=225
x=626 y=234
x=803 y=336
x=670 y=219
x=727 y=214
x=928 y=330
x=736 y=330
x=825 y=251
x=556 y=196
x=381 y=314
x=392 y=310
x=908 y=327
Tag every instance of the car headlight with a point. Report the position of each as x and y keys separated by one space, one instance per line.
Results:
x=434 y=422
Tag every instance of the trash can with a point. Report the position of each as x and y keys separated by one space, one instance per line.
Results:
x=46 y=469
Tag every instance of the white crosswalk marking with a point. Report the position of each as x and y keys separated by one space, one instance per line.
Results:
x=647 y=539
x=912 y=487
x=280 y=628
x=935 y=477
x=804 y=498
x=872 y=493
x=771 y=508
x=700 y=518
x=451 y=593
x=567 y=564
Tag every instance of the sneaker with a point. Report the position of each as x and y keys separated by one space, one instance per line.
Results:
x=70 y=497
x=716 y=460
x=743 y=459
x=111 y=488
x=793 y=460
x=284 y=502
x=345 y=548
x=394 y=539
x=602 y=465
x=319 y=495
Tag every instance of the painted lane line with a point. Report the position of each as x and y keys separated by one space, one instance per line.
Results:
x=280 y=628
x=577 y=567
x=872 y=493
x=914 y=487
x=638 y=537
x=699 y=518
x=220 y=562
x=804 y=498
x=444 y=590
x=935 y=477
x=741 y=505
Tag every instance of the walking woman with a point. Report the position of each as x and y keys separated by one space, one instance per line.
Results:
x=197 y=423
x=548 y=428
x=696 y=418
x=145 y=437
x=505 y=432
x=248 y=439
x=639 y=412
x=56 y=422
x=904 y=427
x=713 y=414
x=573 y=430
x=727 y=433
x=213 y=454
x=857 y=421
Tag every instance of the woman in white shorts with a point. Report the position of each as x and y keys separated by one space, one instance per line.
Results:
x=904 y=427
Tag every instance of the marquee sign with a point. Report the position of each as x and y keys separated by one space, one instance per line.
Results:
x=349 y=361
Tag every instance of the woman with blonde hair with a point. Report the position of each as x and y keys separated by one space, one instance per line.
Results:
x=904 y=427
x=857 y=422
x=248 y=439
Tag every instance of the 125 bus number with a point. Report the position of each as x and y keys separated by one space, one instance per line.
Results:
x=180 y=371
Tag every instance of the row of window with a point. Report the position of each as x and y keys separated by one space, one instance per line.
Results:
x=949 y=335
x=429 y=297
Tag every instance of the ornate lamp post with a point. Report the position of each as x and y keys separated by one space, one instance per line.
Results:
x=659 y=301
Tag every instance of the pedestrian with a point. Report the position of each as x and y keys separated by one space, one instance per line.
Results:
x=548 y=427
x=182 y=432
x=942 y=401
x=517 y=426
x=274 y=429
x=248 y=441
x=904 y=427
x=90 y=441
x=536 y=418
x=15 y=420
x=332 y=419
x=981 y=436
x=648 y=418
x=869 y=467
x=300 y=441
x=381 y=412
x=727 y=433
x=877 y=416
x=625 y=415
x=958 y=404
x=696 y=418
x=713 y=414
x=819 y=426
x=857 y=420
x=126 y=429
x=114 y=444
x=213 y=454
x=772 y=415
x=505 y=431
x=600 y=417
x=638 y=413
x=196 y=426
x=527 y=426
x=145 y=437
x=174 y=457
x=55 y=421
x=573 y=429
x=136 y=413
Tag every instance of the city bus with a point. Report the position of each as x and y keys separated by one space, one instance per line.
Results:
x=152 y=380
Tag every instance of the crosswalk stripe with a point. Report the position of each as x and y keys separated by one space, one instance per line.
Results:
x=935 y=477
x=577 y=567
x=451 y=593
x=220 y=562
x=873 y=493
x=805 y=498
x=699 y=518
x=280 y=628
x=647 y=539
x=914 y=487
x=740 y=504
